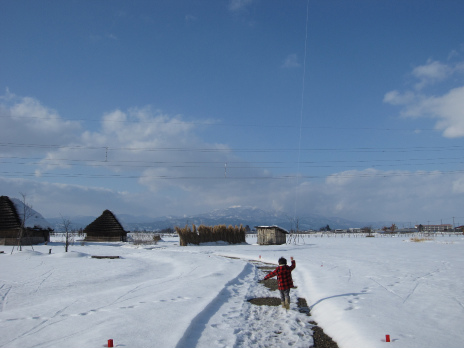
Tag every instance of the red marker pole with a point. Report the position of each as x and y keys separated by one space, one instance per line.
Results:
x=387 y=338
x=110 y=343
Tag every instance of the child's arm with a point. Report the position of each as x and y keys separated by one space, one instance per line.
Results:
x=270 y=275
x=293 y=264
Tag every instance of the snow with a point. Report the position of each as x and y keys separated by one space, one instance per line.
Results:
x=33 y=218
x=164 y=295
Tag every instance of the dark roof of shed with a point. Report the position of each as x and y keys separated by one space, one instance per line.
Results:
x=107 y=223
x=9 y=217
x=272 y=228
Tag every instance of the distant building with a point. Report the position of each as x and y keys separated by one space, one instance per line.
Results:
x=271 y=235
x=435 y=228
x=406 y=230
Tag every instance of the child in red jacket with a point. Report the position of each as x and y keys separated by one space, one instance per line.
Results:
x=284 y=279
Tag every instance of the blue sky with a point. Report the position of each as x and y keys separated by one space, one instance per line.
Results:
x=341 y=108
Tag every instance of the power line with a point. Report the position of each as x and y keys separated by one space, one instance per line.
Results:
x=245 y=150
x=227 y=124
x=303 y=81
x=221 y=177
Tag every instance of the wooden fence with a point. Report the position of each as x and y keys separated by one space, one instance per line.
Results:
x=296 y=238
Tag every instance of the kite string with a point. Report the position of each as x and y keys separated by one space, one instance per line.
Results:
x=301 y=112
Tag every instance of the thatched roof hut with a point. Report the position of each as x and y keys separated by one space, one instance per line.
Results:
x=11 y=225
x=105 y=228
x=271 y=235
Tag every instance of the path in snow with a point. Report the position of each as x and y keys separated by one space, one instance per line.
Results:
x=231 y=321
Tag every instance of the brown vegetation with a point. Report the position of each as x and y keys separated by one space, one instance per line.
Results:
x=418 y=240
x=205 y=234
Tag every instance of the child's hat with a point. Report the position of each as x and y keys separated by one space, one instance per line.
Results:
x=282 y=261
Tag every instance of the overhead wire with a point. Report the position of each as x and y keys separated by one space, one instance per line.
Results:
x=343 y=175
x=303 y=84
x=257 y=150
x=228 y=124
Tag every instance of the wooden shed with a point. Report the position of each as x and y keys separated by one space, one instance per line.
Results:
x=11 y=226
x=105 y=228
x=271 y=235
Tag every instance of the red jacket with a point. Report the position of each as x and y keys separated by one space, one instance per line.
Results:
x=284 y=276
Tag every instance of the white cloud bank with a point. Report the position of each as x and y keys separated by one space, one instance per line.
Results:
x=142 y=161
x=368 y=195
x=24 y=120
x=447 y=108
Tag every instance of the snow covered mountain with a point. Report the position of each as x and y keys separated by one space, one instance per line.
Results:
x=235 y=215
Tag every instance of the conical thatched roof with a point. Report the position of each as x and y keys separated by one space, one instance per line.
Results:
x=106 y=223
x=9 y=218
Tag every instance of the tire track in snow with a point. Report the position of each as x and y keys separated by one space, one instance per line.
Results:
x=460 y=303
x=44 y=322
x=390 y=291
x=4 y=297
x=411 y=292
x=48 y=275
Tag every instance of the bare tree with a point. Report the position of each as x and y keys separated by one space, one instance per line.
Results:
x=27 y=212
x=67 y=228
x=368 y=230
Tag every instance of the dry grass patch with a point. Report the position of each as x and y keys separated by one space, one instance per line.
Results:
x=419 y=240
x=207 y=234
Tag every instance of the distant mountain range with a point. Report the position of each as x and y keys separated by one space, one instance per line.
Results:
x=230 y=216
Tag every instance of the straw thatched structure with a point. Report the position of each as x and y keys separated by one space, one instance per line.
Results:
x=12 y=227
x=105 y=228
x=271 y=235
x=207 y=234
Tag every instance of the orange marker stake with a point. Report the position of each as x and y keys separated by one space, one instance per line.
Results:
x=387 y=338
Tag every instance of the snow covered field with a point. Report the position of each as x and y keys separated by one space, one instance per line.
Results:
x=359 y=290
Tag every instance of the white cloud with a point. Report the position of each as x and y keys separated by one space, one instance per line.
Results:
x=237 y=5
x=190 y=18
x=373 y=195
x=153 y=147
x=431 y=73
x=368 y=195
x=54 y=199
x=291 y=61
x=161 y=165
x=397 y=98
x=447 y=108
x=25 y=122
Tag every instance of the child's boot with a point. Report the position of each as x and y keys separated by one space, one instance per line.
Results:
x=287 y=304
x=283 y=304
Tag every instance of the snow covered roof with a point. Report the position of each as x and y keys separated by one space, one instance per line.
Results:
x=33 y=218
x=272 y=227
